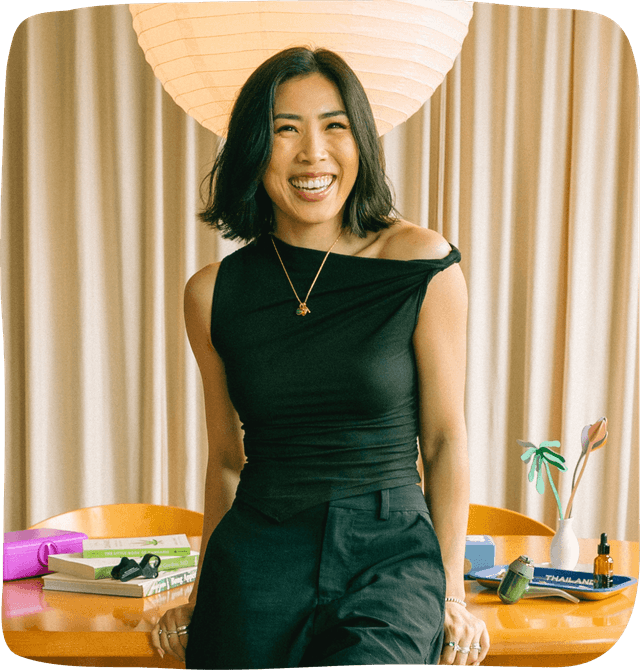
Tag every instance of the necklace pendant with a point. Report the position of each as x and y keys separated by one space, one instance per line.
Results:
x=303 y=310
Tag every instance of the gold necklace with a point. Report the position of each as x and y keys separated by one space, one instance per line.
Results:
x=303 y=310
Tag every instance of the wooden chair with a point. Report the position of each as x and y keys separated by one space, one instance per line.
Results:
x=485 y=520
x=127 y=520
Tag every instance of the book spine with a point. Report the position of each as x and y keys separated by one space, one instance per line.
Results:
x=133 y=589
x=135 y=552
x=176 y=562
x=170 y=582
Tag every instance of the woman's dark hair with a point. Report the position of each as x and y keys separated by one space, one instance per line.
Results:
x=238 y=204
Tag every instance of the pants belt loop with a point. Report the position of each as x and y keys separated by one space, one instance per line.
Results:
x=384 y=504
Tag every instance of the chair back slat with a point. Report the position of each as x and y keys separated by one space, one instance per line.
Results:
x=127 y=520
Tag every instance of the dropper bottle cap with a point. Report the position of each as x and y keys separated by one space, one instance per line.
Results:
x=603 y=547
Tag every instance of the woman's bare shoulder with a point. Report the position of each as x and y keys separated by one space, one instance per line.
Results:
x=198 y=296
x=200 y=285
x=406 y=241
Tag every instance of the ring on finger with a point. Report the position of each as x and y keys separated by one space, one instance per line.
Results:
x=181 y=628
x=475 y=646
x=462 y=650
x=450 y=644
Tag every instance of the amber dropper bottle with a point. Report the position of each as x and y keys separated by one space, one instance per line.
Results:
x=603 y=566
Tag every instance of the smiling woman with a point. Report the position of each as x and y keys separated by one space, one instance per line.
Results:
x=314 y=160
x=320 y=548
x=238 y=203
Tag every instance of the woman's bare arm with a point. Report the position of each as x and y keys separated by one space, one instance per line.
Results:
x=440 y=348
x=226 y=455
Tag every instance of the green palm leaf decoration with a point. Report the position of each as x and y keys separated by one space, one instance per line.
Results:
x=543 y=456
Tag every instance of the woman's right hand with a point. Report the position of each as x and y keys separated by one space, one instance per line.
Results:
x=171 y=634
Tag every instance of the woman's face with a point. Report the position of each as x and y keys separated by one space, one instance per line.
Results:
x=314 y=162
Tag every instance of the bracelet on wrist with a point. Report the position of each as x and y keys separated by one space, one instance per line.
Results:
x=451 y=599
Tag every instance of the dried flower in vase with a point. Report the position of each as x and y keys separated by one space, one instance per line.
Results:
x=543 y=455
x=594 y=436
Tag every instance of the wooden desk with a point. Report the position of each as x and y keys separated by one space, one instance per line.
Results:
x=105 y=631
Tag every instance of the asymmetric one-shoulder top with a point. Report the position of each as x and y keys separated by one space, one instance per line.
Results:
x=328 y=401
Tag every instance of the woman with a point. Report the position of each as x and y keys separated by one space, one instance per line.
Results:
x=321 y=336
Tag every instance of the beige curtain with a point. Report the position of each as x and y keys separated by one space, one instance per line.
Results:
x=526 y=158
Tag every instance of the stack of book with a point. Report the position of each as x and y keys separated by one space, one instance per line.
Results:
x=90 y=571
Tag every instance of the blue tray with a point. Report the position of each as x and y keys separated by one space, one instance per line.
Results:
x=579 y=584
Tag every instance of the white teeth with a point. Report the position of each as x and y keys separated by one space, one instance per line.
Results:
x=312 y=184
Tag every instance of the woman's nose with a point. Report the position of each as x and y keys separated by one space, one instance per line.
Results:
x=312 y=147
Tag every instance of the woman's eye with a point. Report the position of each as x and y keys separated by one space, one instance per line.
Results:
x=334 y=125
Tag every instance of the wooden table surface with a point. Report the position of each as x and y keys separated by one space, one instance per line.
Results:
x=109 y=631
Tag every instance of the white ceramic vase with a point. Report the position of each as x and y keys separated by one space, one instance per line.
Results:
x=565 y=549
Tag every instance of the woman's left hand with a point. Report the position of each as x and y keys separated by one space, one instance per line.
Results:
x=467 y=632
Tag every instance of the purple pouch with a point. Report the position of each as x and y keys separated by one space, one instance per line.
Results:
x=26 y=552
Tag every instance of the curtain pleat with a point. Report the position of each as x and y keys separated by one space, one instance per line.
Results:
x=525 y=158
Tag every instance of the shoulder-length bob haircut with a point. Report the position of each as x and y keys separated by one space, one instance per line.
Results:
x=238 y=204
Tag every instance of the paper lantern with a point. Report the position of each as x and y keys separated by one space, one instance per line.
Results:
x=203 y=52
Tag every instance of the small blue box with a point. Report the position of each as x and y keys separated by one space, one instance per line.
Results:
x=479 y=554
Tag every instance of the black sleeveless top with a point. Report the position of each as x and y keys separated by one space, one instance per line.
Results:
x=328 y=401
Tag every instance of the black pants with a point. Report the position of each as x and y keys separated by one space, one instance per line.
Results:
x=357 y=581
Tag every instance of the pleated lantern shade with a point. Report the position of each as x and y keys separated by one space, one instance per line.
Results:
x=203 y=52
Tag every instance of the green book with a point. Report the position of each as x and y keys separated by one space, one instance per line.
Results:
x=136 y=588
x=161 y=545
x=100 y=568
